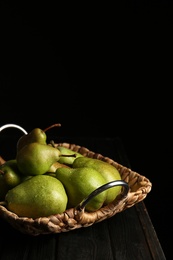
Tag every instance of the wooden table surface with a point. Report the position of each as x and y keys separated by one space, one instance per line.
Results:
x=127 y=235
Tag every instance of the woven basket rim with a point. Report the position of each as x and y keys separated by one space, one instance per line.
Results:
x=139 y=187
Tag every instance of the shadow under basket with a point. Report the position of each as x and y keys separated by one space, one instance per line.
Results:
x=135 y=189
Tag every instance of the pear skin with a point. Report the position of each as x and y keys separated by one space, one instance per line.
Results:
x=11 y=173
x=79 y=183
x=39 y=196
x=35 y=158
x=108 y=171
x=36 y=135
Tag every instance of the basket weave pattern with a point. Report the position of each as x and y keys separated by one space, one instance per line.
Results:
x=72 y=218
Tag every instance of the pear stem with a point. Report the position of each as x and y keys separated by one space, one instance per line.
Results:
x=52 y=143
x=63 y=155
x=68 y=155
x=49 y=127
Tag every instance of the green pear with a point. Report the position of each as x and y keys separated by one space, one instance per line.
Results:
x=36 y=135
x=67 y=156
x=11 y=174
x=79 y=183
x=39 y=196
x=108 y=171
x=36 y=158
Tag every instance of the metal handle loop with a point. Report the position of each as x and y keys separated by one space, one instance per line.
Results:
x=13 y=125
x=102 y=188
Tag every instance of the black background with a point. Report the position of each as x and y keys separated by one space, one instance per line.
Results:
x=100 y=71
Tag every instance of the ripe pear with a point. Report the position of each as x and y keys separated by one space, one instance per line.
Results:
x=36 y=158
x=108 y=171
x=39 y=196
x=79 y=183
x=10 y=172
x=67 y=156
x=36 y=135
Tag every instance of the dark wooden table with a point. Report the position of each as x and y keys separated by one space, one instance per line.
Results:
x=127 y=235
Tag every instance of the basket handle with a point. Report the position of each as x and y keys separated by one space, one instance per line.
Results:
x=13 y=125
x=102 y=188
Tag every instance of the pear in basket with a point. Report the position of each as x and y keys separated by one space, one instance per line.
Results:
x=36 y=158
x=36 y=135
x=10 y=173
x=39 y=196
x=108 y=171
x=79 y=183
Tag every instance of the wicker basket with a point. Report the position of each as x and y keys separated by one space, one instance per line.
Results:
x=73 y=218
